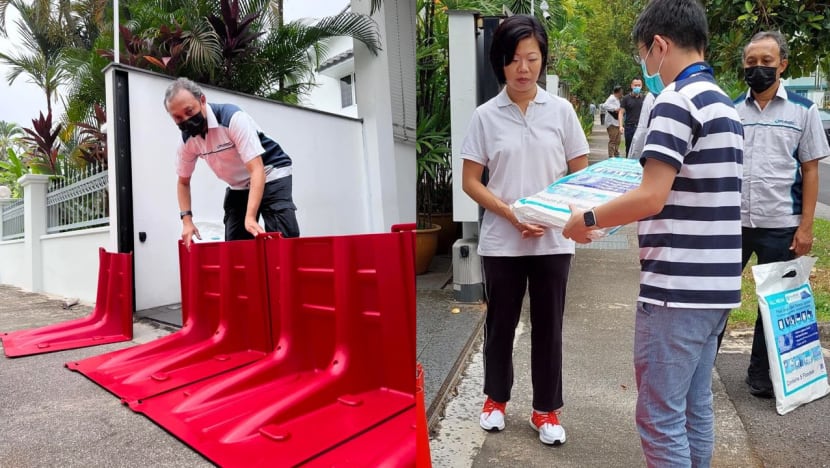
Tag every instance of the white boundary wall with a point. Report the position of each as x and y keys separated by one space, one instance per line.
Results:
x=70 y=262
x=332 y=189
x=11 y=259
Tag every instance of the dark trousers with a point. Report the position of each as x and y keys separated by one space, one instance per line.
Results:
x=276 y=208
x=545 y=277
x=769 y=245
x=629 y=135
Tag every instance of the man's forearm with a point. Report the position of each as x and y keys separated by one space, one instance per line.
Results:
x=255 y=191
x=183 y=195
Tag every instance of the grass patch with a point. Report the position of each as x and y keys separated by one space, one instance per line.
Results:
x=819 y=281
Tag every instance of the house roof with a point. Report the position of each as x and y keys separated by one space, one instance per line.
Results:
x=335 y=60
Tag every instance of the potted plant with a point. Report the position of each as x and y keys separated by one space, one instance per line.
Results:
x=432 y=151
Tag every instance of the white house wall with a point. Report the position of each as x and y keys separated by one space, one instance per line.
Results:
x=70 y=263
x=330 y=178
x=325 y=95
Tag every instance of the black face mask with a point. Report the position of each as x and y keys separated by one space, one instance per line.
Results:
x=760 y=78
x=194 y=126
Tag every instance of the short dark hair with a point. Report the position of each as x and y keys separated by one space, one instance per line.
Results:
x=507 y=37
x=682 y=21
x=783 y=49
x=617 y=89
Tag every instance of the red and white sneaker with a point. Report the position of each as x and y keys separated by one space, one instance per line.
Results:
x=492 y=415
x=548 y=427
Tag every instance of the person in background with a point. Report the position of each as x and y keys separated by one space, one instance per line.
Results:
x=639 y=138
x=784 y=141
x=689 y=232
x=527 y=139
x=629 y=113
x=611 y=108
x=256 y=169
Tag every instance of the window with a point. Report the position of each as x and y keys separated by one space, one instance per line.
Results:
x=347 y=91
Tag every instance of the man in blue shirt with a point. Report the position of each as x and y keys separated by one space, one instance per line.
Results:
x=784 y=141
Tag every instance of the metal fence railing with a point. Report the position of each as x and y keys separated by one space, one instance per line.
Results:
x=77 y=201
x=12 y=218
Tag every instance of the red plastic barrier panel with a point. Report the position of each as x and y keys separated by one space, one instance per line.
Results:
x=226 y=326
x=389 y=445
x=424 y=458
x=111 y=320
x=343 y=311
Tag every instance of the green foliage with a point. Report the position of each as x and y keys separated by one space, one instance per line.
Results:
x=744 y=317
x=432 y=146
x=608 y=57
x=586 y=120
x=237 y=44
x=11 y=170
x=43 y=145
x=806 y=24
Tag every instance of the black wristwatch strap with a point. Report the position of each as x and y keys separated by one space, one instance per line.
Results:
x=185 y=213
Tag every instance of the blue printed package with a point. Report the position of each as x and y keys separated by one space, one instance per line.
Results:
x=597 y=184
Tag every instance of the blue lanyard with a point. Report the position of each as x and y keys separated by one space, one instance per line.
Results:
x=693 y=69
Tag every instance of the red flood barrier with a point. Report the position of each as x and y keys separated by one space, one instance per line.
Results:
x=343 y=322
x=225 y=326
x=111 y=320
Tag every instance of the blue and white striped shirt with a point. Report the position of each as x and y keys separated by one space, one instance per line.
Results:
x=690 y=253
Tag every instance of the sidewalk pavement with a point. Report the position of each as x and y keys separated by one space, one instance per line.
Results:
x=54 y=417
x=600 y=391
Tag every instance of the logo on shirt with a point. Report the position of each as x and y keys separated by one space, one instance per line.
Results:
x=224 y=146
x=784 y=122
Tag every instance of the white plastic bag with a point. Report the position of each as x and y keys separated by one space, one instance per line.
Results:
x=788 y=309
x=210 y=231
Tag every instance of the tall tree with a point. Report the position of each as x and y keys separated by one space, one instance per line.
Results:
x=44 y=40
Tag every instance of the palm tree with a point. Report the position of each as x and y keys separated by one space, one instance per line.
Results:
x=295 y=50
x=238 y=44
x=9 y=134
x=44 y=40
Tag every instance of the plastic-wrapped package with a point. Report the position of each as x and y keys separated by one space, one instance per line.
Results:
x=596 y=184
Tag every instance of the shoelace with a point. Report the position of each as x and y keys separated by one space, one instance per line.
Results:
x=491 y=405
x=545 y=418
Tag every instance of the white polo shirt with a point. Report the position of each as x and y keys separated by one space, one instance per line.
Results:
x=611 y=104
x=229 y=145
x=524 y=154
x=787 y=133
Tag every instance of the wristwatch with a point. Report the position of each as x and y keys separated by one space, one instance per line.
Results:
x=590 y=219
x=185 y=213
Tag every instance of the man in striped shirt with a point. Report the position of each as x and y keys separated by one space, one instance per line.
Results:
x=689 y=208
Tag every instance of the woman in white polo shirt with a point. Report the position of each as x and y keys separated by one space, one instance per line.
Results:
x=527 y=139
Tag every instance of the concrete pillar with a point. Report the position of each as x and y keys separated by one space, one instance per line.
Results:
x=464 y=92
x=374 y=91
x=34 y=227
x=468 y=284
